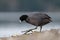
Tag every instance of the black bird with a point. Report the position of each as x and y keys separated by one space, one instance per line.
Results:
x=37 y=19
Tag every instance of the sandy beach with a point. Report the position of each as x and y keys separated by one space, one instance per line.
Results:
x=53 y=34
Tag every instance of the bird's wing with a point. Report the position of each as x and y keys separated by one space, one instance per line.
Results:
x=39 y=17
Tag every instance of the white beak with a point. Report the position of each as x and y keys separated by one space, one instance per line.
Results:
x=20 y=21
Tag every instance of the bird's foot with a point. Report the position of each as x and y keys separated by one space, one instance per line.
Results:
x=27 y=31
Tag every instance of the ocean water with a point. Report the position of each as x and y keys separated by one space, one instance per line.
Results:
x=9 y=23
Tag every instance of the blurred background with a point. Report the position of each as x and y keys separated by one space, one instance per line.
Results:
x=11 y=10
x=29 y=5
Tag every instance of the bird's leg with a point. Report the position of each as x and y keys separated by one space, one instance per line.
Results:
x=40 y=28
x=30 y=30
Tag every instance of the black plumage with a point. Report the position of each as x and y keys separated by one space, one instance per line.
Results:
x=37 y=19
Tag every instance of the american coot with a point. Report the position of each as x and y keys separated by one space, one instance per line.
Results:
x=37 y=19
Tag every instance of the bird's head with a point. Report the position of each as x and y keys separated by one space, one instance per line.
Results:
x=23 y=18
